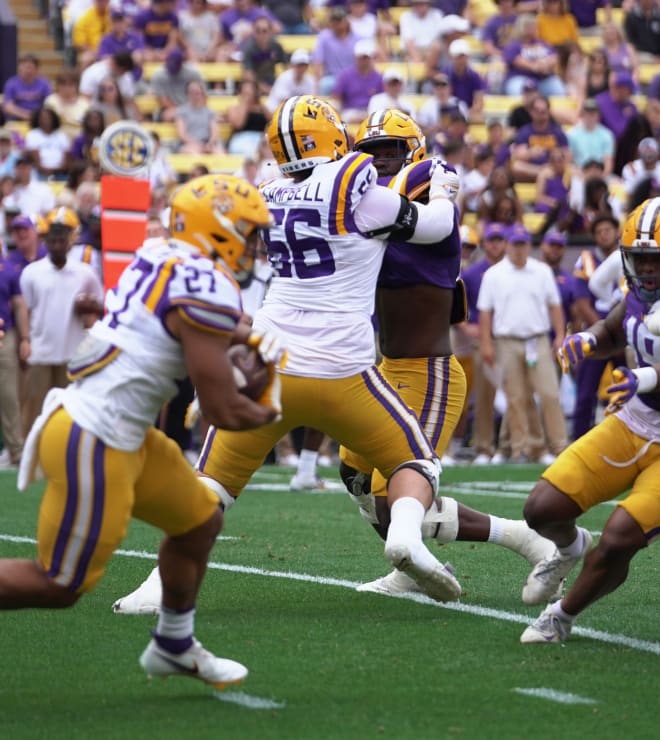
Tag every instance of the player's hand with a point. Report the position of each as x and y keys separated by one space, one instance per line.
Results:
x=271 y=396
x=444 y=181
x=575 y=348
x=625 y=386
x=269 y=346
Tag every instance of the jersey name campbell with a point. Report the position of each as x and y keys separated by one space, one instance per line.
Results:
x=126 y=368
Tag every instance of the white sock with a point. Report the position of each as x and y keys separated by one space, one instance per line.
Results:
x=307 y=463
x=575 y=548
x=497 y=526
x=559 y=612
x=175 y=625
x=406 y=517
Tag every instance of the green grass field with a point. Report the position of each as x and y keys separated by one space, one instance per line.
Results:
x=326 y=661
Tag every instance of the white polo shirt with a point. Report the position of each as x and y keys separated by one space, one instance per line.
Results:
x=519 y=298
x=55 y=330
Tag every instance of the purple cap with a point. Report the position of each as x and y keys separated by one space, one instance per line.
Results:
x=117 y=13
x=555 y=237
x=494 y=230
x=518 y=233
x=624 y=79
x=174 y=59
x=23 y=222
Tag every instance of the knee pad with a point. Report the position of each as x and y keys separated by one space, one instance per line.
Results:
x=429 y=469
x=441 y=524
x=358 y=486
x=226 y=499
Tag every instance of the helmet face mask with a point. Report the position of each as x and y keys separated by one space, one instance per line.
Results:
x=219 y=215
x=640 y=250
x=387 y=128
x=306 y=131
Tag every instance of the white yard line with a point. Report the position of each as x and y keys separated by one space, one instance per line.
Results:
x=558 y=696
x=476 y=610
x=248 y=701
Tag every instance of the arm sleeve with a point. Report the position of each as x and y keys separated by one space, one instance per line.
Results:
x=380 y=207
x=604 y=277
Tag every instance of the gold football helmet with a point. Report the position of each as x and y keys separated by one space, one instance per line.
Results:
x=396 y=130
x=219 y=215
x=305 y=131
x=62 y=216
x=640 y=250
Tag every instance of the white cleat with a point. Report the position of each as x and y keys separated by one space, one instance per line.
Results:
x=196 y=662
x=306 y=483
x=532 y=546
x=547 y=575
x=547 y=628
x=396 y=582
x=145 y=600
x=437 y=582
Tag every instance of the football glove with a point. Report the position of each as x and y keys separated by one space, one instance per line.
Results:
x=269 y=346
x=625 y=386
x=271 y=397
x=575 y=348
x=193 y=414
x=444 y=181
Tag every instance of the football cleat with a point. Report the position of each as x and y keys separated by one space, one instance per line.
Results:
x=547 y=627
x=547 y=576
x=301 y=482
x=144 y=600
x=437 y=581
x=396 y=582
x=195 y=662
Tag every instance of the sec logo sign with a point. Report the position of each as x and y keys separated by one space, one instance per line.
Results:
x=126 y=149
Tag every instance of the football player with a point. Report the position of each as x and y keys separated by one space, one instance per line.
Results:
x=417 y=300
x=326 y=243
x=618 y=454
x=175 y=311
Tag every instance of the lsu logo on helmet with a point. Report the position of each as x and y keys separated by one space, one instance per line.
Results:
x=641 y=238
x=305 y=131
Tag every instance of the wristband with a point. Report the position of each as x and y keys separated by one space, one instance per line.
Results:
x=647 y=378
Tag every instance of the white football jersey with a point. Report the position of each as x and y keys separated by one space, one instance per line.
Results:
x=126 y=368
x=321 y=297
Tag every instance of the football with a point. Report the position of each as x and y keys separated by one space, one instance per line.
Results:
x=250 y=371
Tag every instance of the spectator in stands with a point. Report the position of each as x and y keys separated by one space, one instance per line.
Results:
x=159 y=26
x=433 y=115
x=605 y=232
x=196 y=124
x=499 y=199
x=79 y=172
x=47 y=145
x=114 y=106
x=621 y=56
x=26 y=91
x=552 y=188
x=466 y=84
x=170 y=82
x=616 y=106
x=653 y=90
x=553 y=250
x=528 y=57
x=237 y=22
x=642 y=26
x=333 y=51
x=122 y=37
x=646 y=167
x=590 y=140
x=391 y=95
x=476 y=180
x=295 y=16
x=248 y=119
x=364 y=24
x=119 y=66
x=88 y=30
x=67 y=102
x=161 y=172
x=200 y=32
x=585 y=11
x=58 y=292
x=519 y=304
x=496 y=140
x=499 y=29
x=86 y=206
x=598 y=74
x=533 y=143
x=28 y=195
x=652 y=116
x=85 y=147
x=557 y=25
x=8 y=153
x=295 y=80
x=437 y=58
x=418 y=29
x=355 y=85
x=261 y=53
x=519 y=115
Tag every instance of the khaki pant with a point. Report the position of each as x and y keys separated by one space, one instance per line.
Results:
x=10 y=415
x=38 y=381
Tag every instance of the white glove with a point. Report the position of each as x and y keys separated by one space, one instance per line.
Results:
x=445 y=182
x=193 y=414
x=269 y=346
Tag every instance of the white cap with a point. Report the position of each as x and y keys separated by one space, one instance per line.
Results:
x=453 y=24
x=392 y=73
x=364 y=48
x=458 y=47
x=300 y=56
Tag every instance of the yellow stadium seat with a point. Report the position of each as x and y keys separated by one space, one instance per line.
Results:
x=589 y=44
x=533 y=221
x=647 y=72
x=221 y=103
x=618 y=16
x=395 y=13
x=166 y=131
x=469 y=219
x=409 y=70
x=21 y=127
x=559 y=103
x=500 y=105
x=478 y=132
x=147 y=104
x=526 y=191
x=227 y=163
x=291 y=42
x=210 y=71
